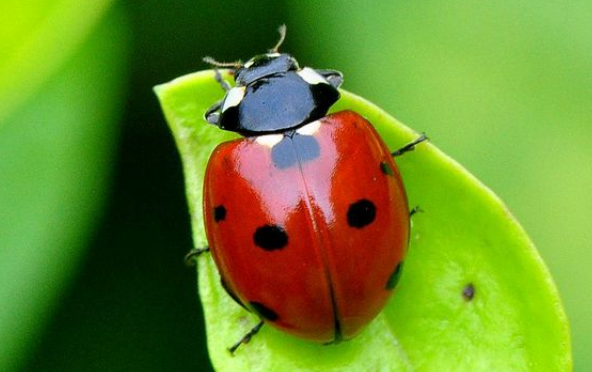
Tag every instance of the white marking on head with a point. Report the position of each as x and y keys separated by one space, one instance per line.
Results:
x=269 y=140
x=233 y=97
x=311 y=76
x=250 y=62
x=310 y=128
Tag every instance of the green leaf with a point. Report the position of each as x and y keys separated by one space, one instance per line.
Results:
x=55 y=149
x=464 y=238
x=37 y=38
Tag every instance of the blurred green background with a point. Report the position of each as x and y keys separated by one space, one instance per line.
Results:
x=93 y=222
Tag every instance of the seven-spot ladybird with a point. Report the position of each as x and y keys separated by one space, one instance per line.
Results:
x=306 y=215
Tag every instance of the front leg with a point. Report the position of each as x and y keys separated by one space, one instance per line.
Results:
x=220 y=79
x=212 y=115
x=192 y=255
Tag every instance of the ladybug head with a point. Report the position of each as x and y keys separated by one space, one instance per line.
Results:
x=272 y=94
x=264 y=65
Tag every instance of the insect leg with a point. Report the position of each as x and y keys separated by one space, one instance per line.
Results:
x=414 y=210
x=246 y=338
x=192 y=255
x=223 y=83
x=410 y=146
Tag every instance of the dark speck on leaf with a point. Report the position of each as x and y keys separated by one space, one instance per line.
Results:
x=468 y=292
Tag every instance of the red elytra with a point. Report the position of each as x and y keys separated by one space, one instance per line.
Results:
x=308 y=228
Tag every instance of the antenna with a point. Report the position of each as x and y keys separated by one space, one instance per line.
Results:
x=211 y=61
x=282 y=31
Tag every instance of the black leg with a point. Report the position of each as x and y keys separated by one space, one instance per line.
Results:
x=410 y=146
x=246 y=338
x=212 y=116
x=220 y=80
x=190 y=257
x=414 y=210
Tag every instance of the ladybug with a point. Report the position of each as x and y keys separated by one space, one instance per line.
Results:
x=306 y=215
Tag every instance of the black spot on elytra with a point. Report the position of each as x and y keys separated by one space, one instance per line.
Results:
x=263 y=311
x=386 y=168
x=361 y=213
x=219 y=213
x=394 y=277
x=469 y=292
x=294 y=148
x=270 y=237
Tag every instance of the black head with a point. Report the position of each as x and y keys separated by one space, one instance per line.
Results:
x=264 y=65
x=273 y=94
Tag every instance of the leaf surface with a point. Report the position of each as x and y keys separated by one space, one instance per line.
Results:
x=464 y=241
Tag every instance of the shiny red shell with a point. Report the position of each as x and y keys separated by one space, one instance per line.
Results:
x=308 y=228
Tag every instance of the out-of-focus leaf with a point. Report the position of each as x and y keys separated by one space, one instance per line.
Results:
x=55 y=148
x=36 y=39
